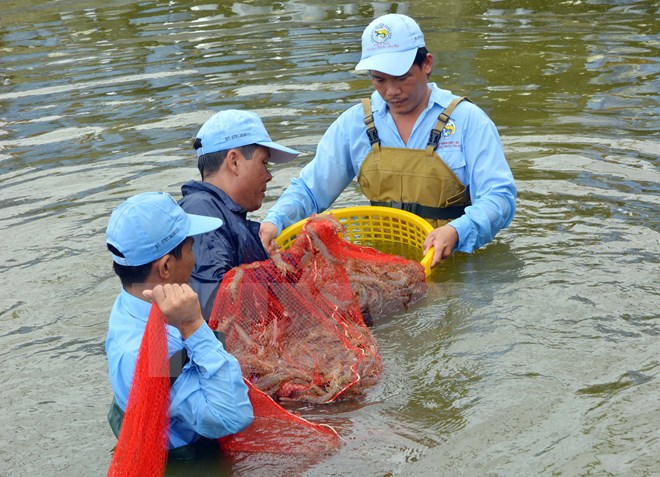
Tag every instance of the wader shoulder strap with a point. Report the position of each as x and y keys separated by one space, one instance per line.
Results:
x=372 y=133
x=177 y=361
x=436 y=132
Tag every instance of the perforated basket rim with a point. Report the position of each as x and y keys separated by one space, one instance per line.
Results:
x=365 y=213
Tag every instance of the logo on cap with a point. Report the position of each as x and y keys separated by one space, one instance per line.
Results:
x=237 y=136
x=167 y=238
x=381 y=34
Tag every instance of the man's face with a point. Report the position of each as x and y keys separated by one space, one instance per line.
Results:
x=404 y=94
x=252 y=177
x=183 y=267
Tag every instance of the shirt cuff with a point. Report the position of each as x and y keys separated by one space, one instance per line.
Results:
x=272 y=218
x=462 y=226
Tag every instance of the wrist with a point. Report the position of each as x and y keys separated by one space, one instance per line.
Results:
x=189 y=327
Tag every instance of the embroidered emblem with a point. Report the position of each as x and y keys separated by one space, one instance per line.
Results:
x=381 y=34
x=448 y=130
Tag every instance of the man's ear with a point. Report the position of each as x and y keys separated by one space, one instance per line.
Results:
x=163 y=267
x=231 y=161
x=427 y=66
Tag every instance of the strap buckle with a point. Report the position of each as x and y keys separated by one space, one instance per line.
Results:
x=436 y=134
x=407 y=206
x=372 y=134
x=434 y=138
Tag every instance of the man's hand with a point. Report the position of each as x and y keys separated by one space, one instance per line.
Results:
x=443 y=240
x=267 y=234
x=180 y=306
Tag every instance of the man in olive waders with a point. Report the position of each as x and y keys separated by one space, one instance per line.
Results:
x=412 y=146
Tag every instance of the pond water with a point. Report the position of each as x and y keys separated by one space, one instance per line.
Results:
x=536 y=355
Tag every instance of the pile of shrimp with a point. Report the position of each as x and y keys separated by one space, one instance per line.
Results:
x=296 y=322
x=384 y=284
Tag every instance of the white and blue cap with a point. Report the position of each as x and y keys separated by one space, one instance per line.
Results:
x=234 y=128
x=389 y=44
x=150 y=225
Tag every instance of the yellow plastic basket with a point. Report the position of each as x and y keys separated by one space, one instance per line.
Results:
x=386 y=229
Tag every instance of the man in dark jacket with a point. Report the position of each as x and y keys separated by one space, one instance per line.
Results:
x=233 y=150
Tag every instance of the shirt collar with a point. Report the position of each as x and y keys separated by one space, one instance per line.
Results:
x=218 y=193
x=137 y=308
x=229 y=203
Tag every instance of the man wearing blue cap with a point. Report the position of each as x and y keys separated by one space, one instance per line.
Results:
x=233 y=151
x=412 y=146
x=150 y=239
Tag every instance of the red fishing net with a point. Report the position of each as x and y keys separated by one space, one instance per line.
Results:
x=142 y=446
x=277 y=431
x=295 y=322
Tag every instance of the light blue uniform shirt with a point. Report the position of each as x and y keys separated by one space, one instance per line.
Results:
x=474 y=152
x=209 y=398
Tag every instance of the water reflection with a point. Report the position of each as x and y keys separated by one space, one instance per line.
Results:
x=536 y=354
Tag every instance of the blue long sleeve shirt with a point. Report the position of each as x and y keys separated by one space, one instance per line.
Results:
x=235 y=243
x=474 y=152
x=209 y=398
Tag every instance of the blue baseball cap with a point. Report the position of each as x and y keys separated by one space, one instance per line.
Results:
x=234 y=128
x=148 y=226
x=390 y=44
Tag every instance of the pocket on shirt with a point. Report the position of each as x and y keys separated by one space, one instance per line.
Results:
x=456 y=162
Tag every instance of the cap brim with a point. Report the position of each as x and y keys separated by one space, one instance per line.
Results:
x=394 y=64
x=200 y=224
x=279 y=154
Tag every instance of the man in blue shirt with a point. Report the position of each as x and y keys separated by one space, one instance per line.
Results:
x=150 y=239
x=412 y=146
x=233 y=150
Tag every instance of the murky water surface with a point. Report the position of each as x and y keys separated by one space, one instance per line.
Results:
x=537 y=355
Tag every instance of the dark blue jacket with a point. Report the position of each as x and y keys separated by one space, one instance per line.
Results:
x=235 y=243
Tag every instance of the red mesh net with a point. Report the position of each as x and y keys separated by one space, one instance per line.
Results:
x=295 y=322
x=276 y=430
x=142 y=446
